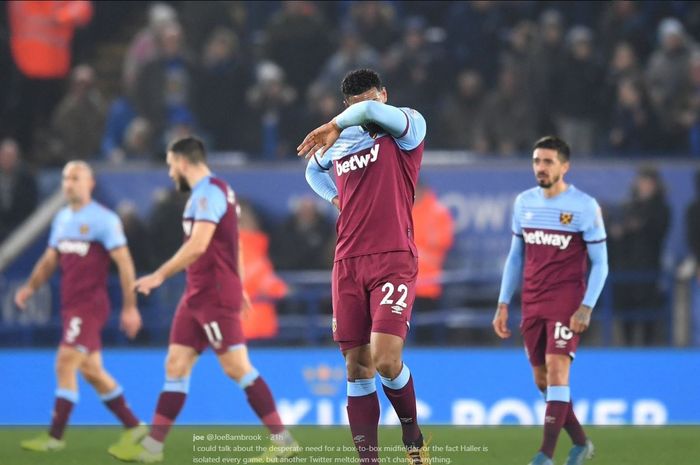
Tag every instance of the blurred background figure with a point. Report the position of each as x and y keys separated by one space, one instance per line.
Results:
x=41 y=34
x=261 y=283
x=692 y=226
x=434 y=235
x=637 y=241
x=145 y=46
x=462 y=115
x=137 y=237
x=305 y=240
x=273 y=110
x=78 y=123
x=18 y=189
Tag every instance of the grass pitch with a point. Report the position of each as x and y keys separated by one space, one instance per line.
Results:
x=187 y=445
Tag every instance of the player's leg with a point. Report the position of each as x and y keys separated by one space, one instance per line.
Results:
x=187 y=341
x=352 y=324
x=178 y=367
x=397 y=382
x=236 y=364
x=363 y=403
x=110 y=392
x=68 y=359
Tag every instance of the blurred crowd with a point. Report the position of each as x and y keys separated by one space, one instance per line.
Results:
x=617 y=77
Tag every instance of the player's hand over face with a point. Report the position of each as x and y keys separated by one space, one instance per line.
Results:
x=322 y=138
x=147 y=283
x=581 y=319
x=22 y=296
x=500 y=322
x=130 y=322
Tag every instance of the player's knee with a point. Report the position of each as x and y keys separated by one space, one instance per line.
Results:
x=357 y=370
x=92 y=374
x=388 y=366
x=176 y=367
x=236 y=371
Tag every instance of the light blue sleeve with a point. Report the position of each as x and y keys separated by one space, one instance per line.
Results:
x=209 y=204
x=320 y=180
x=598 y=253
x=112 y=233
x=512 y=270
x=53 y=235
x=593 y=228
x=405 y=125
x=515 y=223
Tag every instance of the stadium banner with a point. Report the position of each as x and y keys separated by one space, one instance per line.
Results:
x=479 y=195
x=454 y=387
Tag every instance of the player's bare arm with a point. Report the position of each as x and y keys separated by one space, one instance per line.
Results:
x=40 y=274
x=500 y=321
x=581 y=319
x=188 y=253
x=130 y=319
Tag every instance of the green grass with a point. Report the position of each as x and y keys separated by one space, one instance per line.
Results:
x=669 y=445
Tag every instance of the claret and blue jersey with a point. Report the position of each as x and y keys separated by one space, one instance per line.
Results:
x=558 y=235
x=83 y=240
x=375 y=178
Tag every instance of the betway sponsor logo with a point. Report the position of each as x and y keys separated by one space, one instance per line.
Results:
x=77 y=247
x=560 y=241
x=357 y=162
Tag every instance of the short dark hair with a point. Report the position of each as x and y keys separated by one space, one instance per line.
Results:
x=360 y=81
x=190 y=148
x=554 y=143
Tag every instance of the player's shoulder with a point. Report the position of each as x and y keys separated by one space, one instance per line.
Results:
x=100 y=212
x=528 y=195
x=584 y=200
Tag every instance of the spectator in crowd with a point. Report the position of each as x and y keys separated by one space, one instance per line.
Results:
x=165 y=224
x=507 y=127
x=296 y=34
x=578 y=89
x=223 y=79
x=461 y=115
x=18 y=190
x=412 y=67
x=692 y=225
x=42 y=56
x=305 y=241
x=120 y=115
x=78 y=123
x=260 y=281
x=686 y=106
x=518 y=52
x=375 y=22
x=637 y=241
x=136 y=236
x=666 y=73
x=353 y=53
x=623 y=21
x=145 y=46
x=137 y=145
x=323 y=104
x=547 y=54
x=631 y=123
x=164 y=87
x=274 y=113
x=624 y=64
x=434 y=235
x=473 y=36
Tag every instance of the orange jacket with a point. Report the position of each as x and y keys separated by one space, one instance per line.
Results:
x=262 y=285
x=434 y=234
x=41 y=33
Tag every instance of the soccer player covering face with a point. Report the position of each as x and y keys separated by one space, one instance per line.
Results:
x=84 y=237
x=374 y=150
x=556 y=229
x=209 y=312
